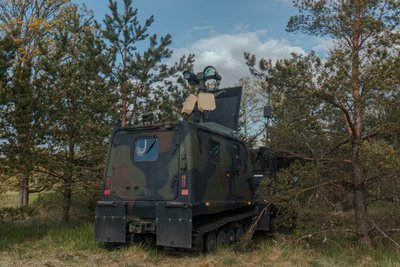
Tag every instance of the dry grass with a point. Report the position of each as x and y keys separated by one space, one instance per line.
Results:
x=49 y=244
x=45 y=242
x=10 y=199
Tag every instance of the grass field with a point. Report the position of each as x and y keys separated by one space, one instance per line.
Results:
x=45 y=242
x=10 y=199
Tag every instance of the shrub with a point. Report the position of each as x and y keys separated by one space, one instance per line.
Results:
x=16 y=214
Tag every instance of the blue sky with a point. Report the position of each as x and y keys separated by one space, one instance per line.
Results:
x=219 y=31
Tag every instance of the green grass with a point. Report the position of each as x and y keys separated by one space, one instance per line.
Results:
x=48 y=243
x=48 y=205
x=45 y=241
x=10 y=199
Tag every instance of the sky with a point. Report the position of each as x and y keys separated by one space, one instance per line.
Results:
x=218 y=32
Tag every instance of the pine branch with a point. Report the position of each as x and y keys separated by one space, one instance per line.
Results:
x=369 y=136
x=333 y=182
x=292 y=154
x=310 y=235
x=388 y=237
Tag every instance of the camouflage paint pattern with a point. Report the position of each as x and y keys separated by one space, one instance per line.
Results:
x=178 y=181
x=215 y=162
x=147 y=180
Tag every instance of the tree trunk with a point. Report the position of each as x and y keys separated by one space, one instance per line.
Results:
x=123 y=89
x=23 y=194
x=123 y=111
x=68 y=182
x=360 y=190
x=67 y=198
x=360 y=203
x=69 y=176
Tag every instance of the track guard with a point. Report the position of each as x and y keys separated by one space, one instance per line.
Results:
x=174 y=226
x=110 y=225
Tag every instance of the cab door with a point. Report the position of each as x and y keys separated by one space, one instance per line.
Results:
x=239 y=183
x=157 y=158
x=145 y=165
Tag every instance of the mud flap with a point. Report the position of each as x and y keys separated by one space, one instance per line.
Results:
x=110 y=225
x=264 y=224
x=174 y=226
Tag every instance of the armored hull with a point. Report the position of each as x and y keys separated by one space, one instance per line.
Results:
x=175 y=181
x=186 y=185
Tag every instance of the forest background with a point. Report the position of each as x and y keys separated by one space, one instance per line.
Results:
x=66 y=79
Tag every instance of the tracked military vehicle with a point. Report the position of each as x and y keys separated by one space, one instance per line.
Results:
x=187 y=185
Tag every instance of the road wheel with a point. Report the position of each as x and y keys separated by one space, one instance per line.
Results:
x=221 y=238
x=210 y=242
x=239 y=233
x=230 y=235
x=198 y=244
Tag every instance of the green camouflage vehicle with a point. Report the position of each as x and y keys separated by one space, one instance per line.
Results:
x=187 y=184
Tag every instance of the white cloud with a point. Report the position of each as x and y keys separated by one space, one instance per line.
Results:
x=225 y=53
x=323 y=46
x=207 y=28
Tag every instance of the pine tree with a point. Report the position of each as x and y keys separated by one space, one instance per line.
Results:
x=335 y=112
x=28 y=25
x=80 y=106
x=7 y=53
x=171 y=93
x=136 y=70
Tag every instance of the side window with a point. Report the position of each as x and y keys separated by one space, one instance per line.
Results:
x=146 y=149
x=238 y=159
x=214 y=149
